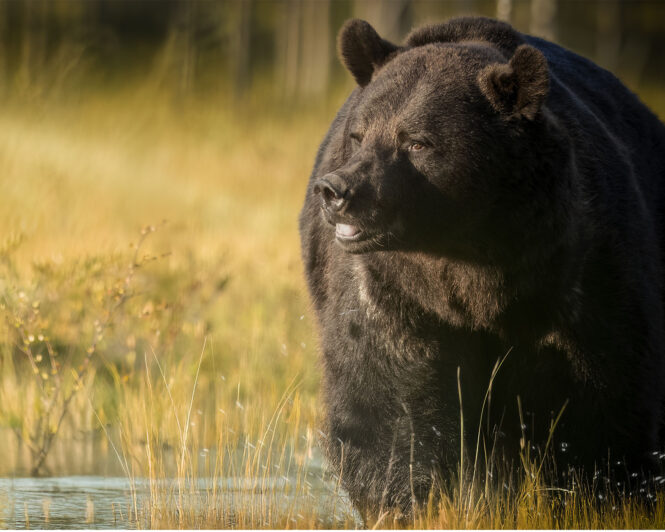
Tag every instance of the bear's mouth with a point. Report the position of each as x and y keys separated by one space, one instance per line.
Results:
x=353 y=237
x=347 y=232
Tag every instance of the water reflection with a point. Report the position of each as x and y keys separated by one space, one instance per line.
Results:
x=93 y=502
x=66 y=502
x=95 y=491
x=87 y=454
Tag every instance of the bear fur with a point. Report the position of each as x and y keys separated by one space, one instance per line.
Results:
x=484 y=195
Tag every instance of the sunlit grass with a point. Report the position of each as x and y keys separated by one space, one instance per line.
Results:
x=203 y=386
x=212 y=460
x=81 y=179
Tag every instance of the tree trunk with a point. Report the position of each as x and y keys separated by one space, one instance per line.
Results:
x=315 y=48
x=543 y=19
x=504 y=10
x=391 y=19
x=241 y=48
x=608 y=34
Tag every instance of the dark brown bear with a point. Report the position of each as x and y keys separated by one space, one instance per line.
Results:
x=484 y=192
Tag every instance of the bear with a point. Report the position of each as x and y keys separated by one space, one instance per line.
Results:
x=483 y=240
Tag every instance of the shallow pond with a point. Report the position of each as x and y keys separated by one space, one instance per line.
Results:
x=90 y=489
x=65 y=502
x=85 y=502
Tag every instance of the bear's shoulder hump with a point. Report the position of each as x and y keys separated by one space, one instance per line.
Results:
x=466 y=29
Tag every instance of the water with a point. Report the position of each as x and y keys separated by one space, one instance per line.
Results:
x=65 y=502
x=95 y=502
x=90 y=490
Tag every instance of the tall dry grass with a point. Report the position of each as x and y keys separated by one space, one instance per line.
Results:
x=201 y=388
x=80 y=179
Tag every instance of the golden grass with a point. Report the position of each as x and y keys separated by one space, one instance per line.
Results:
x=207 y=375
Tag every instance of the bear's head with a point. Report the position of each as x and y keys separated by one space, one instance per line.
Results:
x=441 y=143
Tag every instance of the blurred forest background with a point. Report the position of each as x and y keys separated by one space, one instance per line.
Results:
x=285 y=48
x=116 y=115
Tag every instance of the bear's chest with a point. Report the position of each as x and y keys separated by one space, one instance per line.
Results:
x=402 y=316
x=455 y=294
x=378 y=323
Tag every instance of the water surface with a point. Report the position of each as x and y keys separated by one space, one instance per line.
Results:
x=95 y=502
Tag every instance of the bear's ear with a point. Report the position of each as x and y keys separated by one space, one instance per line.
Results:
x=517 y=88
x=362 y=49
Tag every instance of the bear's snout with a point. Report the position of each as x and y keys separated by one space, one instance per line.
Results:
x=334 y=192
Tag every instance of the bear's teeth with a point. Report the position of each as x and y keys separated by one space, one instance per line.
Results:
x=346 y=230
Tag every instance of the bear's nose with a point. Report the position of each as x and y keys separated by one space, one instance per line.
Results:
x=333 y=190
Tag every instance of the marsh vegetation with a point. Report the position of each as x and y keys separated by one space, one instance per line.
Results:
x=154 y=323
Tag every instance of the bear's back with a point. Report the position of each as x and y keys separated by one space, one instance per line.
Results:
x=577 y=81
x=623 y=139
x=599 y=111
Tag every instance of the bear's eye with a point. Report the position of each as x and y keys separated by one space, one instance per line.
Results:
x=356 y=139
x=416 y=146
